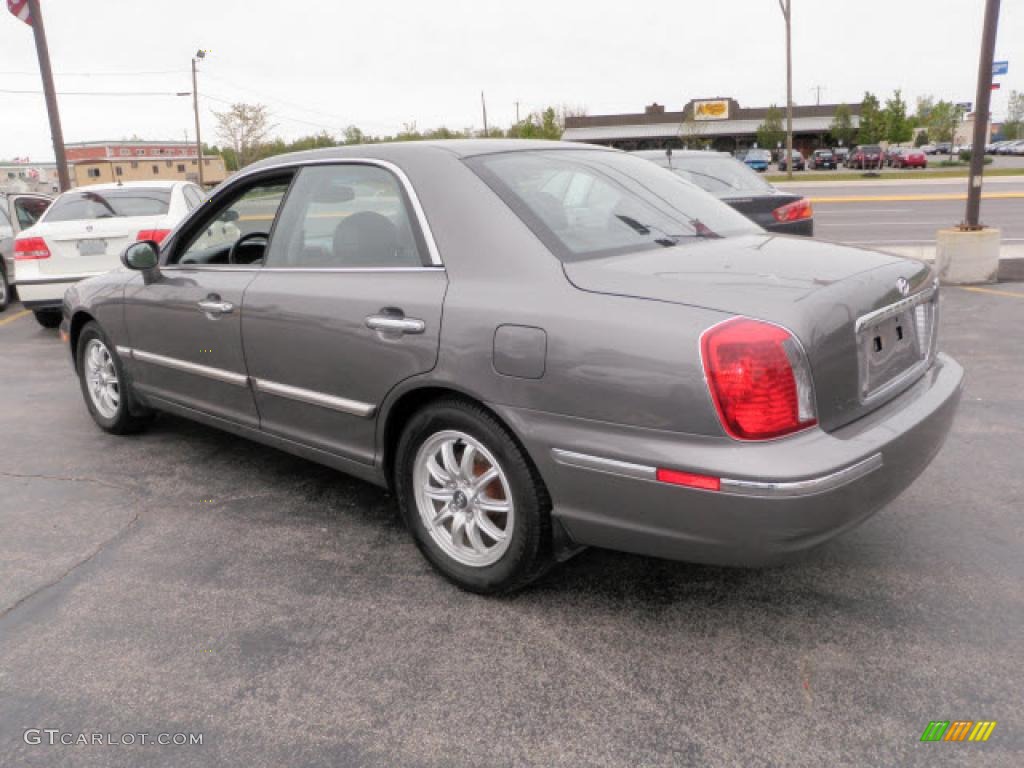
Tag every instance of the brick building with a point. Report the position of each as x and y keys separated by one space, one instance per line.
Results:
x=98 y=162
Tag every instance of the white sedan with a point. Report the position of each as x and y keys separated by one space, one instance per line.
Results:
x=84 y=232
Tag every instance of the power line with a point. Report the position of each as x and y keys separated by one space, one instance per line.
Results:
x=291 y=104
x=103 y=74
x=275 y=113
x=102 y=93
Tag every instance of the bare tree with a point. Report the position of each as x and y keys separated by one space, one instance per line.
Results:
x=244 y=127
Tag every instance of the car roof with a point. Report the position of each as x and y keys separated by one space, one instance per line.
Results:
x=158 y=184
x=396 y=150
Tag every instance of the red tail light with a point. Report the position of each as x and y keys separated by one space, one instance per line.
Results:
x=795 y=211
x=30 y=248
x=156 y=235
x=759 y=379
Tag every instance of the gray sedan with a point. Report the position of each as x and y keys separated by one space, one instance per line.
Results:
x=537 y=346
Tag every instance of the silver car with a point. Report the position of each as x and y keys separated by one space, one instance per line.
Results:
x=538 y=346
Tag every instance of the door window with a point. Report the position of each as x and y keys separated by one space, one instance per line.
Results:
x=29 y=209
x=236 y=232
x=344 y=217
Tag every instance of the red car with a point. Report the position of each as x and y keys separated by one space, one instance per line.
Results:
x=910 y=158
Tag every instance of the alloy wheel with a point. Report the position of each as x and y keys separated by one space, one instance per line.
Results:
x=464 y=498
x=101 y=379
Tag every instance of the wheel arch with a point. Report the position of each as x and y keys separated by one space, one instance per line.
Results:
x=78 y=322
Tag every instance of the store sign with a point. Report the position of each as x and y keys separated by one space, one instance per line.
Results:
x=711 y=110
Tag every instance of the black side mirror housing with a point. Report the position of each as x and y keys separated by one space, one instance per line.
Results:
x=142 y=256
x=229 y=215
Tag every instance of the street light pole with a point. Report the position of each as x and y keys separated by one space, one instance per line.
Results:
x=200 y=54
x=982 y=104
x=786 y=7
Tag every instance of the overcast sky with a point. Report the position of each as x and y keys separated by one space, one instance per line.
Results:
x=325 y=64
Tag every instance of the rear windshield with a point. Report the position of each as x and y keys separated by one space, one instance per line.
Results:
x=759 y=154
x=585 y=204
x=110 y=204
x=721 y=175
x=822 y=152
x=871 y=148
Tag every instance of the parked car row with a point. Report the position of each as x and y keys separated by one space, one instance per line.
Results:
x=863 y=157
x=625 y=361
x=1008 y=147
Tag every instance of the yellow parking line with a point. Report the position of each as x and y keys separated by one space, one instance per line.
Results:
x=915 y=198
x=15 y=316
x=994 y=292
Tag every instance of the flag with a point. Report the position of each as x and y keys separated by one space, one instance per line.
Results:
x=20 y=9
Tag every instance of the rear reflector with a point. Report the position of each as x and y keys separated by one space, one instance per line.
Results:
x=26 y=248
x=156 y=235
x=759 y=379
x=795 y=211
x=690 y=480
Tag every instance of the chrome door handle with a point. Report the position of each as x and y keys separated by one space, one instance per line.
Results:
x=212 y=307
x=395 y=324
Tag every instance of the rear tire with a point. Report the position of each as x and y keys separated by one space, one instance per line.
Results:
x=5 y=289
x=487 y=539
x=48 y=318
x=106 y=389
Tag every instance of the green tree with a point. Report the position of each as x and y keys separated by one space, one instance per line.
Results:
x=925 y=104
x=897 y=125
x=941 y=120
x=921 y=139
x=770 y=132
x=872 y=122
x=245 y=128
x=1013 y=126
x=842 y=126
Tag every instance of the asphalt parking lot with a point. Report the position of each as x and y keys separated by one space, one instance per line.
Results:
x=186 y=581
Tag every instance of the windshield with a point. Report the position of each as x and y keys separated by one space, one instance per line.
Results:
x=110 y=204
x=589 y=203
x=721 y=175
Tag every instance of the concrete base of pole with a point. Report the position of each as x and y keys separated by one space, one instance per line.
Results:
x=967 y=257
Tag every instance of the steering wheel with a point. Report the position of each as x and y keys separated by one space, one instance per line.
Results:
x=233 y=253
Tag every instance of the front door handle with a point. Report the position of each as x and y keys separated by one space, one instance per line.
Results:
x=395 y=324
x=216 y=307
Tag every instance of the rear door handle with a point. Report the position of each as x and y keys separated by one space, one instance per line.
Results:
x=395 y=324
x=216 y=307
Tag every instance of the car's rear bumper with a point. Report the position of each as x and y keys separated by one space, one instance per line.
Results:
x=45 y=292
x=776 y=498
x=803 y=227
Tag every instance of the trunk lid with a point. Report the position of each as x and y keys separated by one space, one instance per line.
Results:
x=93 y=245
x=818 y=290
x=758 y=208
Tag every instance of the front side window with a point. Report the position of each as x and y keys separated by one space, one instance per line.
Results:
x=237 y=231
x=110 y=204
x=346 y=216
x=587 y=204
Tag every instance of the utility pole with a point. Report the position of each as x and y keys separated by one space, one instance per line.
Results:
x=483 y=104
x=200 y=54
x=517 y=112
x=56 y=133
x=982 y=106
x=817 y=90
x=786 y=6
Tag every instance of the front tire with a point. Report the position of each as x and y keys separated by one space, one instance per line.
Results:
x=105 y=387
x=48 y=318
x=472 y=499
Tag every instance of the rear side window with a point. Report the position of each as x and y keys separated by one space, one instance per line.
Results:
x=29 y=210
x=587 y=204
x=346 y=216
x=110 y=204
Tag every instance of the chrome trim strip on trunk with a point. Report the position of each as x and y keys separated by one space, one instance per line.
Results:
x=873 y=318
x=218 y=374
x=352 y=407
x=769 y=489
x=804 y=487
x=600 y=464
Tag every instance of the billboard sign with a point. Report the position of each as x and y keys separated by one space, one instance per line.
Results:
x=717 y=109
